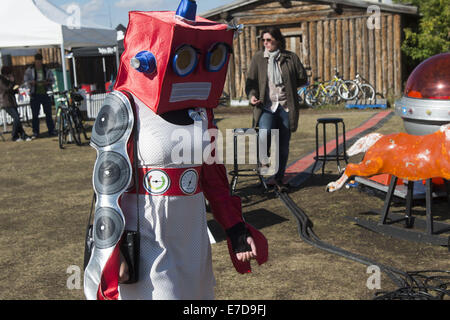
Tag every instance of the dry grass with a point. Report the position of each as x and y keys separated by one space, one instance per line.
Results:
x=46 y=193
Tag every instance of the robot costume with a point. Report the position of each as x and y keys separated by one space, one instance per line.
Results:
x=173 y=62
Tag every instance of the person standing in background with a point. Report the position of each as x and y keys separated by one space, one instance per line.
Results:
x=271 y=85
x=8 y=101
x=40 y=80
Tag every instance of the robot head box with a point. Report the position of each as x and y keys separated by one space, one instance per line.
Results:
x=173 y=62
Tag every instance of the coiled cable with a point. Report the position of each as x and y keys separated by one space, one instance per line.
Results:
x=411 y=285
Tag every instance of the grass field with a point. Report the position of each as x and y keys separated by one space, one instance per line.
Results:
x=46 y=194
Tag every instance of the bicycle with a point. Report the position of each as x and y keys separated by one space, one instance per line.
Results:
x=304 y=96
x=332 y=87
x=302 y=93
x=319 y=93
x=347 y=89
x=69 y=121
x=366 y=90
x=315 y=94
x=77 y=98
x=337 y=89
x=326 y=92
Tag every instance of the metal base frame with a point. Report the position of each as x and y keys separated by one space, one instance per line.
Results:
x=330 y=157
x=236 y=172
x=427 y=231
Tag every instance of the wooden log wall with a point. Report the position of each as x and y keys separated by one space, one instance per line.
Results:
x=22 y=60
x=345 y=43
x=49 y=55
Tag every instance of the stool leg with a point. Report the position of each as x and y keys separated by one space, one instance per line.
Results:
x=258 y=163
x=337 y=147
x=345 y=146
x=263 y=183
x=317 y=148
x=428 y=201
x=324 y=148
x=235 y=166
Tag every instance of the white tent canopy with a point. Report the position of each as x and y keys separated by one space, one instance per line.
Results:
x=39 y=24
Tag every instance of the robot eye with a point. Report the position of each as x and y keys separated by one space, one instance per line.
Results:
x=185 y=60
x=217 y=56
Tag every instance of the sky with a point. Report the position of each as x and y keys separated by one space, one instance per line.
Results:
x=110 y=13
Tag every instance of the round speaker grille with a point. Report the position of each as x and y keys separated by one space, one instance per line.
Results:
x=111 y=123
x=108 y=227
x=111 y=173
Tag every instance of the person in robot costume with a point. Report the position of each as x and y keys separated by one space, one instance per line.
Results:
x=171 y=76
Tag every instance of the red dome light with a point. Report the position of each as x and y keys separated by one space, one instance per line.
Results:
x=430 y=79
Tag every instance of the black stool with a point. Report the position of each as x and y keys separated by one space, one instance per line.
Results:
x=338 y=156
x=236 y=172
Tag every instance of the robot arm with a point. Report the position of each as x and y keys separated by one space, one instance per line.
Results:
x=112 y=176
x=227 y=211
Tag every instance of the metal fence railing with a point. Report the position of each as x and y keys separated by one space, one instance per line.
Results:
x=94 y=103
x=25 y=114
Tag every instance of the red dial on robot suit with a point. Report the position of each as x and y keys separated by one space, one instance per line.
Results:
x=189 y=65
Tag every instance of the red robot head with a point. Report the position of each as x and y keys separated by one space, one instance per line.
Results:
x=171 y=62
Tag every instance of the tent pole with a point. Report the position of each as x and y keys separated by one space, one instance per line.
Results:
x=63 y=64
x=75 y=82
x=117 y=58
x=104 y=69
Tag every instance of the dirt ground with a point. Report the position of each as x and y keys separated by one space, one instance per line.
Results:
x=46 y=194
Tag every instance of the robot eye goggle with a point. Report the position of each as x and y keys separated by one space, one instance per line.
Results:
x=186 y=58
x=217 y=56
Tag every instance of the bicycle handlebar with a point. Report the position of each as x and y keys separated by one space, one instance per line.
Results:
x=76 y=97
x=60 y=93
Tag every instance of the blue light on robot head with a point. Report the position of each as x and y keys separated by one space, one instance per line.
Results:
x=187 y=9
x=144 y=62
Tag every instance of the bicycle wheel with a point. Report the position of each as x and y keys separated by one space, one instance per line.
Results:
x=332 y=95
x=348 y=90
x=73 y=128
x=301 y=95
x=367 y=92
x=61 y=126
x=314 y=97
x=78 y=120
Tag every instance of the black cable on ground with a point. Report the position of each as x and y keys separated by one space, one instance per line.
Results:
x=426 y=287
x=412 y=285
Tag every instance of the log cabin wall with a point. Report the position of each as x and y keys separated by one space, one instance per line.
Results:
x=51 y=57
x=323 y=39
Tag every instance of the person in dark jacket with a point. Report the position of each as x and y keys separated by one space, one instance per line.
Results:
x=271 y=85
x=8 y=102
x=40 y=80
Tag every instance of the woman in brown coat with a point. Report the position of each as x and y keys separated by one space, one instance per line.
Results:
x=272 y=82
x=8 y=102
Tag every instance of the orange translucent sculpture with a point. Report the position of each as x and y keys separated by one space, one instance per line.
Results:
x=405 y=156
